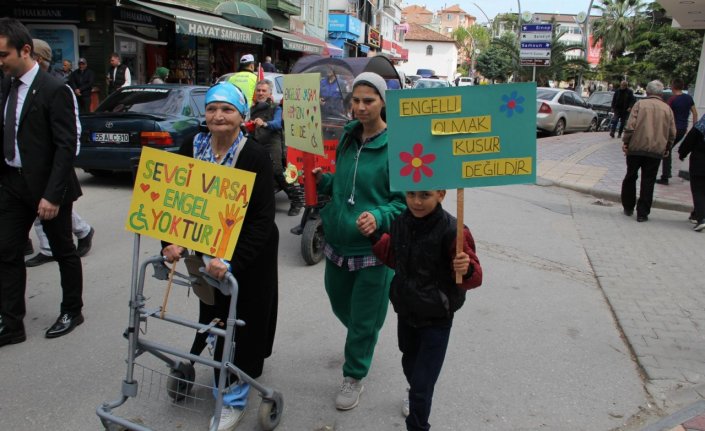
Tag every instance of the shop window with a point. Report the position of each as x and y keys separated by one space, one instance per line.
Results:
x=429 y=50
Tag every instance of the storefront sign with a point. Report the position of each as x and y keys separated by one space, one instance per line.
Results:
x=342 y=23
x=195 y=28
x=302 y=47
x=47 y=14
x=192 y=203
x=134 y=16
x=373 y=37
x=440 y=139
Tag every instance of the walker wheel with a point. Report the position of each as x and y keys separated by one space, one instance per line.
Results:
x=180 y=381
x=270 y=411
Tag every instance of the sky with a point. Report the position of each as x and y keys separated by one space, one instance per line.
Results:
x=494 y=7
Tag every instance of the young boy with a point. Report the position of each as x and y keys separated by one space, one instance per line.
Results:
x=421 y=249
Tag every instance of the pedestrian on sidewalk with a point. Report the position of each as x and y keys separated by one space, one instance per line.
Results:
x=357 y=283
x=694 y=144
x=622 y=102
x=682 y=105
x=424 y=292
x=649 y=134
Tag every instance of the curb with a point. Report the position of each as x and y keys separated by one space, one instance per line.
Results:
x=678 y=418
x=614 y=196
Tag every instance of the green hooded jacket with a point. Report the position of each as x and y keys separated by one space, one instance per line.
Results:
x=369 y=190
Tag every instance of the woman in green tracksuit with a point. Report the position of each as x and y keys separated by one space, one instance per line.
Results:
x=357 y=283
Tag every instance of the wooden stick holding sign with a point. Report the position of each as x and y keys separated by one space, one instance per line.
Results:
x=460 y=235
x=168 y=289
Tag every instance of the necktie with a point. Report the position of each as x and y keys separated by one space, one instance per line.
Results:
x=10 y=120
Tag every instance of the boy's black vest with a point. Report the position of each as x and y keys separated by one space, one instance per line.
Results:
x=265 y=111
x=119 y=78
x=423 y=290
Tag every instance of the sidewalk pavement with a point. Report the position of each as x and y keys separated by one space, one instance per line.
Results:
x=594 y=163
x=660 y=309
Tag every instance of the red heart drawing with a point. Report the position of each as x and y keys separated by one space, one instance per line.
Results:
x=154 y=196
x=144 y=187
x=212 y=250
x=229 y=222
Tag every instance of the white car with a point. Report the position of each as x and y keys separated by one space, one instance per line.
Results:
x=464 y=81
x=559 y=111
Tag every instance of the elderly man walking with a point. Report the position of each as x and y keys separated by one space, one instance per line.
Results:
x=650 y=133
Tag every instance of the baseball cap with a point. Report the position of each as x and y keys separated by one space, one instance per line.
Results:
x=82 y=60
x=42 y=49
x=247 y=58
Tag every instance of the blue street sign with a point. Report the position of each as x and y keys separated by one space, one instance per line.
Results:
x=536 y=27
x=536 y=45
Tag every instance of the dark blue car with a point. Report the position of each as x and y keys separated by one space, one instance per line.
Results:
x=159 y=116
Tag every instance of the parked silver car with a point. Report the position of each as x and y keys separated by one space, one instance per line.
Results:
x=559 y=111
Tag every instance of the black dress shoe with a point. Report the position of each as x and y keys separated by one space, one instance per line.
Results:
x=662 y=181
x=11 y=336
x=64 y=324
x=85 y=244
x=642 y=218
x=628 y=213
x=29 y=248
x=39 y=259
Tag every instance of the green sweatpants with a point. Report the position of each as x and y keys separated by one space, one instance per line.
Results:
x=359 y=299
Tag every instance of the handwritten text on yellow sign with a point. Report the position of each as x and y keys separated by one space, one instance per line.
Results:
x=455 y=126
x=497 y=168
x=429 y=106
x=194 y=204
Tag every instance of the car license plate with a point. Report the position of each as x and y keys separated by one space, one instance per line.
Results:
x=111 y=137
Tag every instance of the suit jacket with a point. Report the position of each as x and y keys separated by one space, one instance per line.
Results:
x=47 y=137
x=83 y=81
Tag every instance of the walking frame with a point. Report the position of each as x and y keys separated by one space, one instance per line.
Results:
x=177 y=387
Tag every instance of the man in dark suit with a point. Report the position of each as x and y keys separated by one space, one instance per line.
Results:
x=81 y=81
x=37 y=178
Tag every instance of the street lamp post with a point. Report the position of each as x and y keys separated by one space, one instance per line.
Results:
x=586 y=46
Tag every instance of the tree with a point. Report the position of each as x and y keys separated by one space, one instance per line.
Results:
x=498 y=61
x=616 y=26
x=470 y=39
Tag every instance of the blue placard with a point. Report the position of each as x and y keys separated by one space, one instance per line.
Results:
x=536 y=45
x=458 y=137
x=536 y=27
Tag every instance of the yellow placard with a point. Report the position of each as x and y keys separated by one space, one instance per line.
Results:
x=301 y=113
x=497 y=167
x=456 y=126
x=184 y=201
x=429 y=106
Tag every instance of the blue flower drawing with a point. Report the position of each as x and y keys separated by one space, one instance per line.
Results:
x=512 y=103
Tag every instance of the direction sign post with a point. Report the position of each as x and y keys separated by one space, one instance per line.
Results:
x=535 y=45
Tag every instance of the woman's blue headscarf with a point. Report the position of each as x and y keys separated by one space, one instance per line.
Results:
x=228 y=93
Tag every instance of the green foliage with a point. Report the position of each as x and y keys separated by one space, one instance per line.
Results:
x=616 y=26
x=469 y=39
x=494 y=63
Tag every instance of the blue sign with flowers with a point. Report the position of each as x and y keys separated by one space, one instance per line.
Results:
x=461 y=137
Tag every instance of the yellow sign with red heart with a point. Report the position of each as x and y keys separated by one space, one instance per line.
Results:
x=188 y=202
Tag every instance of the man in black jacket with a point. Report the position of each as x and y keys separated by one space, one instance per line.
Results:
x=622 y=102
x=81 y=81
x=119 y=74
x=37 y=178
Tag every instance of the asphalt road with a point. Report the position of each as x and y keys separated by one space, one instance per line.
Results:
x=535 y=348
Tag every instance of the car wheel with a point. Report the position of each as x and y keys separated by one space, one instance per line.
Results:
x=560 y=128
x=593 y=126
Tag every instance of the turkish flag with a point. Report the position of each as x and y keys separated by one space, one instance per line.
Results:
x=260 y=73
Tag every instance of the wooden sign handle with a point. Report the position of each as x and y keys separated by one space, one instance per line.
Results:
x=168 y=289
x=459 y=236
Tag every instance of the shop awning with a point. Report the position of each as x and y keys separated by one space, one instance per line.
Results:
x=202 y=25
x=131 y=33
x=294 y=42
x=246 y=14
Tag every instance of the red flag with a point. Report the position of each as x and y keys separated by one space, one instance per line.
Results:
x=260 y=73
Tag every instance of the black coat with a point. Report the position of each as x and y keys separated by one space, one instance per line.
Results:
x=694 y=144
x=82 y=80
x=254 y=265
x=48 y=136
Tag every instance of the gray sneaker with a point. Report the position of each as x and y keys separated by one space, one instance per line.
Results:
x=349 y=396
x=405 y=403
